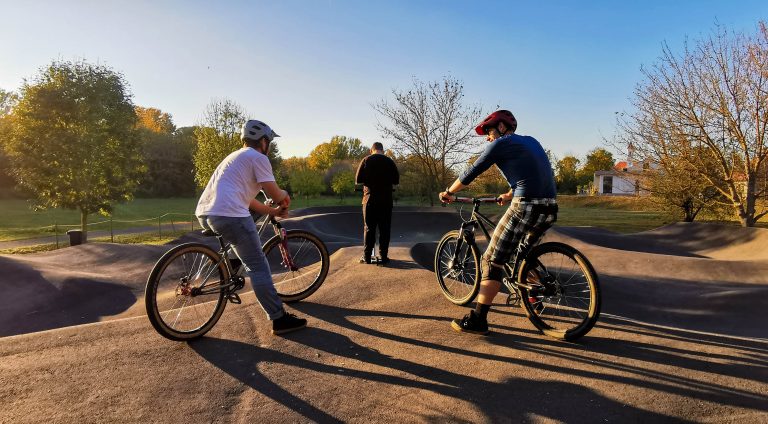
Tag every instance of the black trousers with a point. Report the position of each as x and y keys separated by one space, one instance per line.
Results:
x=377 y=215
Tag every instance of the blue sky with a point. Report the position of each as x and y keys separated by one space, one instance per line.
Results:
x=312 y=69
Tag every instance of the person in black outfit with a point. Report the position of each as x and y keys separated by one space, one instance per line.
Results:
x=377 y=173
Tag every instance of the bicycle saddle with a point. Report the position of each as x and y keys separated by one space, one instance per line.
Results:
x=210 y=233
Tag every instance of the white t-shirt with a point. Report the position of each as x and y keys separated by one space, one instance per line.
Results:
x=234 y=183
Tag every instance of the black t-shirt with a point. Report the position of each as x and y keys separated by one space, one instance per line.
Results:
x=377 y=173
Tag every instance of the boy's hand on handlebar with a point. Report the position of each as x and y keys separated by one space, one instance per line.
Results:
x=503 y=199
x=286 y=202
x=446 y=198
x=279 y=212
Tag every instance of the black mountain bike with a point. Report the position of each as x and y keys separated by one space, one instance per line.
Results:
x=190 y=285
x=553 y=282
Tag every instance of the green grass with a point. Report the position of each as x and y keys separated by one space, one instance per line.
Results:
x=20 y=221
x=139 y=238
x=615 y=213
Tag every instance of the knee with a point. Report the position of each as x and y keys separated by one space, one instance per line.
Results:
x=490 y=270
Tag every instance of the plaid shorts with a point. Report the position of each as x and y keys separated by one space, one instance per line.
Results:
x=524 y=223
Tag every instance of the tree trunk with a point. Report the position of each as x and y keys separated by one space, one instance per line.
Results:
x=84 y=223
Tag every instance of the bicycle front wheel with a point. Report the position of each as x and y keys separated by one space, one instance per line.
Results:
x=299 y=266
x=459 y=278
x=176 y=305
x=564 y=299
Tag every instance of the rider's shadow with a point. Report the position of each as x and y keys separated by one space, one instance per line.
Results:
x=514 y=399
x=530 y=341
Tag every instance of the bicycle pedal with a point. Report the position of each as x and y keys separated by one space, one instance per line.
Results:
x=513 y=299
x=234 y=298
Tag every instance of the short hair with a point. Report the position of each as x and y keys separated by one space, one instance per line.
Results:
x=377 y=146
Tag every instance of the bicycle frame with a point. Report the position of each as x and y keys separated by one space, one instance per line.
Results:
x=467 y=234
x=237 y=282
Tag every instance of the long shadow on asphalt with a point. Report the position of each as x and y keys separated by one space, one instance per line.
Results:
x=560 y=351
x=514 y=399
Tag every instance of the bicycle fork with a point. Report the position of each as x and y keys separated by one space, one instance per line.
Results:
x=287 y=259
x=466 y=235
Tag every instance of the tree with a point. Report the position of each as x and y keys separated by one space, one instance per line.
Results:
x=708 y=109
x=566 y=176
x=598 y=159
x=73 y=142
x=306 y=182
x=430 y=123
x=343 y=183
x=490 y=182
x=217 y=136
x=155 y=120
x=8 y=100
x=338 y=154
x=324 y=155
x=168 y=156
x=680 y=190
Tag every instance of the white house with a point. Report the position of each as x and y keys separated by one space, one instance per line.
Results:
x=623 y=179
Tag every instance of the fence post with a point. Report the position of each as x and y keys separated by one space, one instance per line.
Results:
x=111 y=232
x=192 y=223
x=159 y=229
x=173 y=227
x=56 y=231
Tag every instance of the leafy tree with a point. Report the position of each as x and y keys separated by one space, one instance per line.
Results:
x=324 y=155
x=566 y=175
x=430 y=123
x=306 y=182
x=155 y=120
x=217 y=137
x=598 y=159
x=168 y=156
x=274 y=156
x=707 y=107
x=74 y=143
x=343 y=183
x=490 y=182
x=287 y=168
x=8 y=100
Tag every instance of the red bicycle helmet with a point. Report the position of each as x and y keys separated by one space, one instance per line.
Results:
x=493 y=119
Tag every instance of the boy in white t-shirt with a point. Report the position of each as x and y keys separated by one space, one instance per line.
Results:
x=224 y=208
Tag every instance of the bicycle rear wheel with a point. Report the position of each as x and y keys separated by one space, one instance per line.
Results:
x=174 y=306
x=310 y=264
x=564 y=301
x=459 y=281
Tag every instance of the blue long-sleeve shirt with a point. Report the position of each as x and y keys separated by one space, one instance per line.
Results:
x=522 y=161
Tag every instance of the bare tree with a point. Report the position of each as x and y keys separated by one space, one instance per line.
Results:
x=679 y=190
x=430 y=122
x=708 y=109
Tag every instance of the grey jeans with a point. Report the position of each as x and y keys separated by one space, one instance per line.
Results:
x=244 y=237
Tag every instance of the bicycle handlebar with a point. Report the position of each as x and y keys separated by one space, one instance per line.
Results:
x=473 y=200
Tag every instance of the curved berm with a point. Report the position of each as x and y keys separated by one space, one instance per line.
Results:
x=681 y=338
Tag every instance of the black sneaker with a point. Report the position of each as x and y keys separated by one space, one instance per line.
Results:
x=384 y=260
x=365 y=259
x=471 y=323
x=287 y=323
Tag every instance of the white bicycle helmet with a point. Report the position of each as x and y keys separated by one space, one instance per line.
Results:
x=254 y=130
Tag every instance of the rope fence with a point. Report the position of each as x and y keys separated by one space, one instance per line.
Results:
x=156 y=222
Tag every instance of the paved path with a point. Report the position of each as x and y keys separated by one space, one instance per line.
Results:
x=681 y=339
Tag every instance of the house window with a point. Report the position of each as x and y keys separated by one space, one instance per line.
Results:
x=607 y=184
